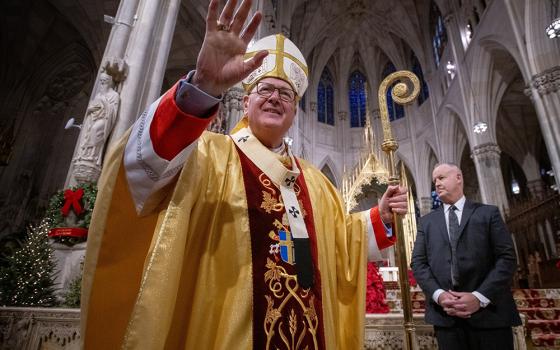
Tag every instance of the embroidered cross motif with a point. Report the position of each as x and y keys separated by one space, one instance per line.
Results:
x=286 y=245
x=243 y=139
x=294 y=211
x=290 y=181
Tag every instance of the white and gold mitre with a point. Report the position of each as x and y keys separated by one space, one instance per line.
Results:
x=284 y=61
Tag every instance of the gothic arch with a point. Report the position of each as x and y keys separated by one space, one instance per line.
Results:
x=335 y=23
x=411 y=175
x=321 y=58
x=471 y=186
x=453 y=135
x=491 y=83
x=55 y=84
x=512 y=119
x=427 y=160
x=187 y=40
x=328 y=168
x=543 y=51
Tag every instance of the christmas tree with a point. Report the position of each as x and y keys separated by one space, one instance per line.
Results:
x=73 y=295
x=28 y=277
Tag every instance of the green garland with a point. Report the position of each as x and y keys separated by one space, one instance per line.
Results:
x=56 y=219
x=73 y=295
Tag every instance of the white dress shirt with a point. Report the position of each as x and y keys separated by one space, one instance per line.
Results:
x=460 y=205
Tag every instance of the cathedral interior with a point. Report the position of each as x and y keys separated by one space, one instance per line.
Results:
x=489 y=99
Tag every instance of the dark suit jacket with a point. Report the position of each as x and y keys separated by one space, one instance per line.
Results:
x=486 y=260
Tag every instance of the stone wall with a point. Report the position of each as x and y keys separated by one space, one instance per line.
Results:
x=42 y=329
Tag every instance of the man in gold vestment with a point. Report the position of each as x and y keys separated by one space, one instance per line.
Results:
x=207 y=241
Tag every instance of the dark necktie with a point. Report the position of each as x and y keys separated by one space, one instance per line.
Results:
x=453 y=237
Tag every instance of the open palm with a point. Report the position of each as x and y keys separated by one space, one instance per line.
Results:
x=221 y=62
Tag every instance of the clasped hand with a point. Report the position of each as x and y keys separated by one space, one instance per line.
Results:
x=459 y=304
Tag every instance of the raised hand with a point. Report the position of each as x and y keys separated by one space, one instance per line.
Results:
x=394 y=200
x=220 y=63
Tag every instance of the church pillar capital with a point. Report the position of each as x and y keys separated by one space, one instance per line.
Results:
x=486 y=158
x=548 y=81
x=545 y=96
x=230 y=112
x=486 y=150
x=425 y=205
x=536 y=188
x=449 y=17
x=313 y=106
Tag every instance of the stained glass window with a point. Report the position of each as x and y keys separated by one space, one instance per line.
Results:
x=436 y=202
x=439 y=34
x=357 y=99
x=417 y=69
x=325 y=99
x=395 y=110
x=302 y=102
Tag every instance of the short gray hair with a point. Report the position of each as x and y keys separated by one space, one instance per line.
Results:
x=453 y=165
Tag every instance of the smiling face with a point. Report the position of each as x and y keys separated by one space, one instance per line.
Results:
x=448 y=180
x=269 y=117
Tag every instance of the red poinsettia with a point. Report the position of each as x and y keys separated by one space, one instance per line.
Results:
x=375 y=293
x=411 y=280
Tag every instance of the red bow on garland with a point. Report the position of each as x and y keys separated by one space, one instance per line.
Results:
x=72 y=199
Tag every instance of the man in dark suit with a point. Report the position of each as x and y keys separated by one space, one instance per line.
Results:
x=464 y=261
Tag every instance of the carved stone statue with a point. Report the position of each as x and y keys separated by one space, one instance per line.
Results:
x=100 y=118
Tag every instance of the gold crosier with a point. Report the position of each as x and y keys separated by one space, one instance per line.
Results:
x=401 y=96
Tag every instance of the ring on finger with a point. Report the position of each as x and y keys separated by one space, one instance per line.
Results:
x=222 y=27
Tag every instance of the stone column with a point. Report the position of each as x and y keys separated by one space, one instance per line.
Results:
x=135 y=58
x=113 y=65
x=536 y=188
x=133 y=67
x=539 y=57
x=230 y=112
x=233 y=103
x=545 y=89
x=425 y=205
x=487 y=162
x=146 y=56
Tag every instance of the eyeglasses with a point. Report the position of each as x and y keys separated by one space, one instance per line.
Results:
x=266 y=90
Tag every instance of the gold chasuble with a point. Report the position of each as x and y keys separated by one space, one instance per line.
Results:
x=212 y=265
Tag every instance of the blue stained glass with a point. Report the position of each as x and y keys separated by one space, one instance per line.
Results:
x=302 y=102
x=321 y=102
x=439 y=38
x=357 y=99
x=390 y=105
x=330 y=105
x=325 y=99
x=417 y=69
x=362 y=98
x=436 y=202
x=399 y=111
x=395 y=111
